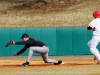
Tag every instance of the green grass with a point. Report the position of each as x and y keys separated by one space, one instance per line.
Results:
x=60 y=14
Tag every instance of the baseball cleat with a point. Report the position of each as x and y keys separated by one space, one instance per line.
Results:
x=25 y=64
x=95 y=58
x=59 y=62
x=98 y=62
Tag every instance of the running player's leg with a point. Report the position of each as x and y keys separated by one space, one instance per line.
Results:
x=93 y=44
x=89 y=45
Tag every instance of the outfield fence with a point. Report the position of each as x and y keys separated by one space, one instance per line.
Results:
x=61 y=41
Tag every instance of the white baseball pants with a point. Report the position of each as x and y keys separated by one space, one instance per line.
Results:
x=44 y=53
x=93 y=44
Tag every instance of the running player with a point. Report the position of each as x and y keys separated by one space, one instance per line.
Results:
x=95 y=26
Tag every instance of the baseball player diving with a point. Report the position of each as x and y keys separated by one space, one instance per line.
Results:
x=95 y=26
x=34 y=46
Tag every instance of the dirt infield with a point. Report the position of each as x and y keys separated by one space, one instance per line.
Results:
x=17 y=63
x=37 y=61
x=73 y=65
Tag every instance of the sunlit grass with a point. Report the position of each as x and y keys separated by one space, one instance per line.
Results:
x=73 y=15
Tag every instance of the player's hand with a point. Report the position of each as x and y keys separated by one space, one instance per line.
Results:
x=14 y=54
x=9 y=43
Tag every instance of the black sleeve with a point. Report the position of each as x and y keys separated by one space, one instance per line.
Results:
x=23 y=50
x=21 y=43
x=89 y=28
x=24 y=42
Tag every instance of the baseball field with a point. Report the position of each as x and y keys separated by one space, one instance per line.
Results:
x=22 y=13
x=73 y=65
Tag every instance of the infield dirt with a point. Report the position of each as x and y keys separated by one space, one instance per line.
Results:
x=74 y=65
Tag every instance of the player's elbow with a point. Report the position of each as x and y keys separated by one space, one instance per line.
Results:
x=89 y=28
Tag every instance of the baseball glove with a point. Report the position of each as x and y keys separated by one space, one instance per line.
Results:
x=9 y=43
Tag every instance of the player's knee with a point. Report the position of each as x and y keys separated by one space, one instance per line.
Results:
x=88 y=44
x=92 y=49
x=31 y=49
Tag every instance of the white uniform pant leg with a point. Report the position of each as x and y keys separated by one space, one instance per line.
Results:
x=93 y=44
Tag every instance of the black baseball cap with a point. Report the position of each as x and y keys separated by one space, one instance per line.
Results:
x=24 y=35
